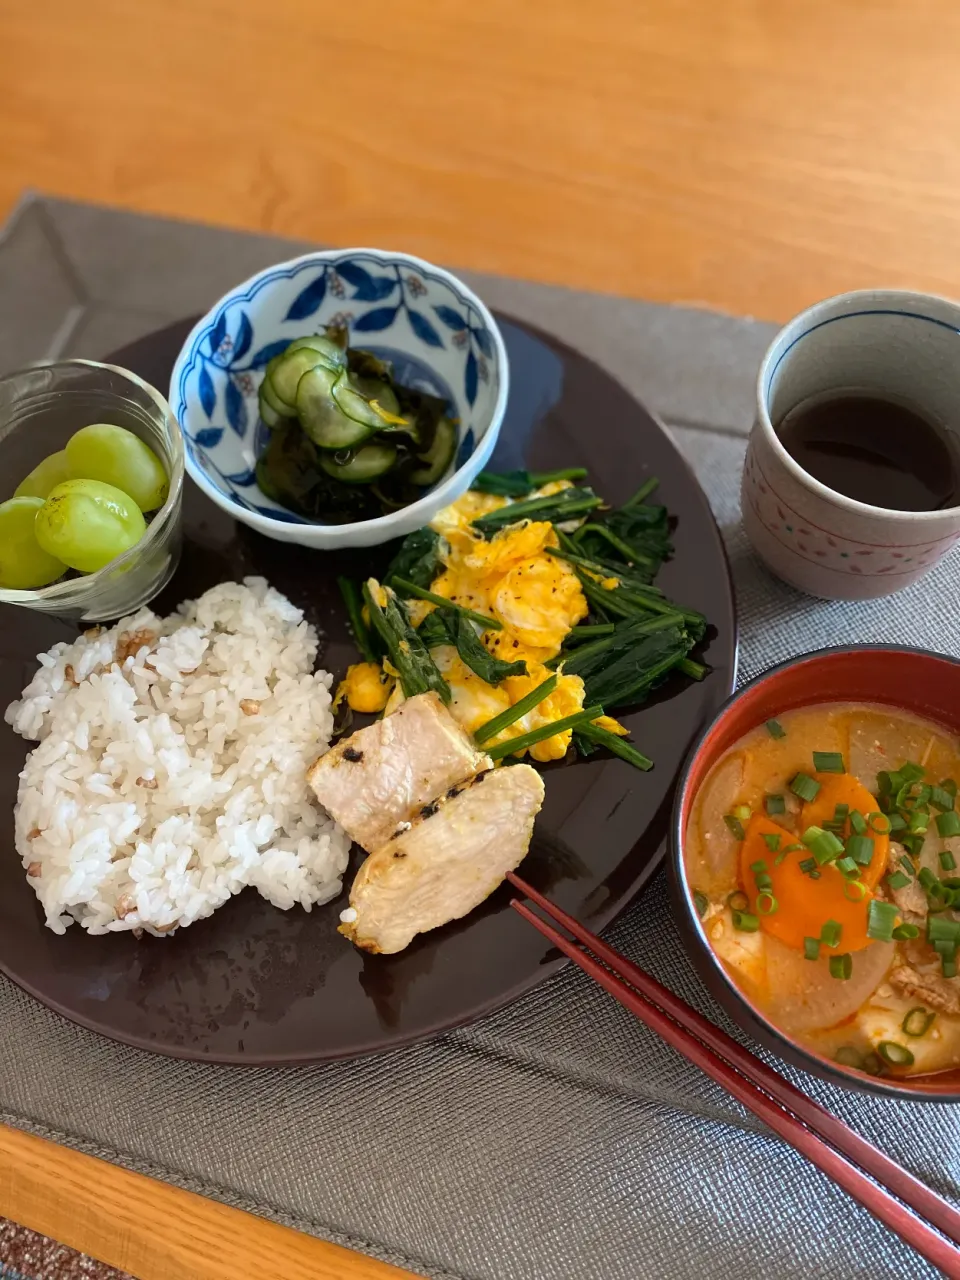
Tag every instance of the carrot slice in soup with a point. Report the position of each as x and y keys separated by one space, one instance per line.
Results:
x=804 y=905
x=843 y=788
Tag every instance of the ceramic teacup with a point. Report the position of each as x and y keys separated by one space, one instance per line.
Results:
x=891 y=344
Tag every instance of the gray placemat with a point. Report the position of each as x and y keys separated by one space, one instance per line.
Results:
x=558 y=1139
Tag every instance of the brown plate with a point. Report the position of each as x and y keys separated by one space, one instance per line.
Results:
x=256 y=985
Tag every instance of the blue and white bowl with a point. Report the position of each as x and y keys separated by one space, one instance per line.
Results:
x=436 y=332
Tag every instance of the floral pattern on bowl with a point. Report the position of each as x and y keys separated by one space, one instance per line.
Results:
x=439 y=336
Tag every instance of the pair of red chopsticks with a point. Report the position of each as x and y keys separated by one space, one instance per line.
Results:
x=823 y=1138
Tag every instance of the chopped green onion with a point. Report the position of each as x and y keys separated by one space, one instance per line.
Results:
x=774 y=804
x=841 y=967
x=947 y=861
x=766 y=903
x=776 y=729
x=898 y=1055
x=828 y=762
x=899 y=880
x=911 y=772
x=887 y=783
x=858 y=823
x=907 y=864
x=701 y=902
x=848 y=1056
x=824 y=845
x=808 y=866
x=948 y=967
x=906 y=932
x=525 y=740
x=763 y=880
x=804 y=786
x=841 y=812
x=919 y=822
x=949 y=786
x=772 y=842
x=847 y=867
x=927 y=878
x=742 y=811
x=781 y=857
x=759 y=865
x=811 y=948
x=872 y=1064
x=854 y=891
x=948 y=824
x=860 y=849
x=941 y=798
x=411 y=589
x=878 y=822
x=746 y=922
x=912 y=843
x=736 y=826
x=830 y=933
x=917 y=1022
x=794 y=848
x=897 y=823
x=506 y=718
x=940 y=930
x=738 y=900
x=881 y=919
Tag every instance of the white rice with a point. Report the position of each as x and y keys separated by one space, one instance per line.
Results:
x=173 y=778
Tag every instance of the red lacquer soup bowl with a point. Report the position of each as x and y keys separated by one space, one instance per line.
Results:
x=914 y=680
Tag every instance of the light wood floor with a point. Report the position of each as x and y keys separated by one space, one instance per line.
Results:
x=750 y=155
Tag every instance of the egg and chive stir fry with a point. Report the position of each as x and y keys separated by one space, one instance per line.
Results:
x=529 y=607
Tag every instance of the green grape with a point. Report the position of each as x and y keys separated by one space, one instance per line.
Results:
x=24 y=564
x=87 y=523
x=53 y=470
x=116 y=456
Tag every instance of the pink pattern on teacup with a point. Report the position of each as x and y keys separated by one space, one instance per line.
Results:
x=845 y=555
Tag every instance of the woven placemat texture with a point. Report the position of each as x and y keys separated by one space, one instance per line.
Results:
x=557 y=1139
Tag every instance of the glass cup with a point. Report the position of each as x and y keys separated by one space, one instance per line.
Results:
x=40 y=408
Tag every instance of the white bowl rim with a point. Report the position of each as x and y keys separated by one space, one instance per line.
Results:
x=429 y=502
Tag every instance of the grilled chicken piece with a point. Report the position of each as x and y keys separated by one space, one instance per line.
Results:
x=381 y=775
x=453 y=856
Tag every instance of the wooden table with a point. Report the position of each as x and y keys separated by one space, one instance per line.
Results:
x=750 y=156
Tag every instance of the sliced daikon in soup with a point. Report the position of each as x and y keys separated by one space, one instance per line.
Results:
x=718 y=847
x=884 y=740
x=804 y=997
x=881 y=1021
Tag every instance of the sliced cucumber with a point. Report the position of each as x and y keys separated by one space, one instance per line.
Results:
x=321 y=417
x=439 y=456
x=267 y=395
x=268 y=413
x=331 y=354
x=360 y=467
x=285 y=378
x=370 y=402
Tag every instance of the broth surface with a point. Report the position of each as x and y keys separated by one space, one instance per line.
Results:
x=857 y=1019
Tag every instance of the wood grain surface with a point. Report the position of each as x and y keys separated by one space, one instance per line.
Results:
x=752 y=155
x=154 y=1231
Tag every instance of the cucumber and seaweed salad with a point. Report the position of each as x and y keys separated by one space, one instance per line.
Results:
x=633 y=639
x=347 y=442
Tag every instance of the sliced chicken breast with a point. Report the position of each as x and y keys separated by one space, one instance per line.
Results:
x=452 y=857
x=382 y=775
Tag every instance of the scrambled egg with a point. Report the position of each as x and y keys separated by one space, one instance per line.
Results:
x=366 y=687
x=536 y=597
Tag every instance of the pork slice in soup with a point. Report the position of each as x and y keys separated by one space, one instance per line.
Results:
x=826 y=859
